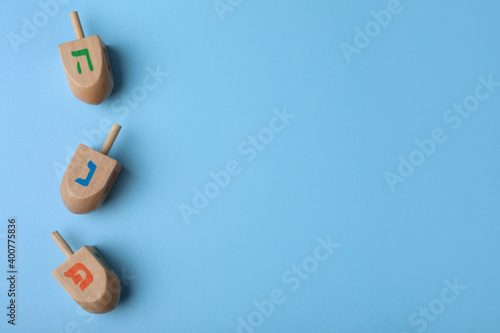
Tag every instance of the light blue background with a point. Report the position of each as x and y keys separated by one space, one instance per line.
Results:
x=323 y=175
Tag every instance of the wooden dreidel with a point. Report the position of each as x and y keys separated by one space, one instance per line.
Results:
x=87 y=278
x=87 y=66
x=90 y=176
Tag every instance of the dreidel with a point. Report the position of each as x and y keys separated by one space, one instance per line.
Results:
x=90 y=176
x=87 y=66
x=87 y=277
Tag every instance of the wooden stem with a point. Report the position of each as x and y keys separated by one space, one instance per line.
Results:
x=77 y=26
x=106 y=147
x=68 y=252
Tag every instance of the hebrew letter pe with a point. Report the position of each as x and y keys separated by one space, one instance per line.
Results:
x=76 y=277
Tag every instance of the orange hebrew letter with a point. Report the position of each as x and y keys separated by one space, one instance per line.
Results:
x=72 y=273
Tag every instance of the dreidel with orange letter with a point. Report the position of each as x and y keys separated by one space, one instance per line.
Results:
x=90 y=176
x=87 y=278
x=87 y=66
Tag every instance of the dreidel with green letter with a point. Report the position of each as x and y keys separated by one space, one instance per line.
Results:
x=90 y=176
x=87 y=277
x=87 y=66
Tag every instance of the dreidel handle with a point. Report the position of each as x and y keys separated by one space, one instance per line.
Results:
x=68 y=252
x=108 y=143
x=77 y=26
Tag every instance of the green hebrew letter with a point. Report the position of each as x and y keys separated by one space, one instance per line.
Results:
x=79 y=53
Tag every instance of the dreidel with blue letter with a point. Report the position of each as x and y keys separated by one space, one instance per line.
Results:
x=87 y=277
x=90 y=176
x=87 y=66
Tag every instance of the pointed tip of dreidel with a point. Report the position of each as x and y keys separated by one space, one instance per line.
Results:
x=87 y=66
x=87 y=277
x=90 y=176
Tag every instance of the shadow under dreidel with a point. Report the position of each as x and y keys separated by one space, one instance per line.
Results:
x=120 y=188
x=117 y=67
x=120 y=269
